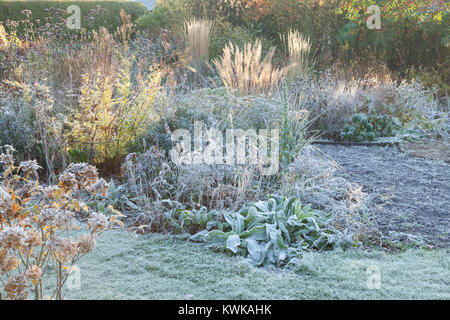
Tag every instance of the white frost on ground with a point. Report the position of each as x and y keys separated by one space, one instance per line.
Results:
x=162 y=267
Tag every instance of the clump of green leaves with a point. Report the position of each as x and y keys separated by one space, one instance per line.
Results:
x=192 y=221
x=366 y=127
x=116 y=197
x=272 y=232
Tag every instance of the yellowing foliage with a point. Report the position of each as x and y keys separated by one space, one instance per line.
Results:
x=113 y=113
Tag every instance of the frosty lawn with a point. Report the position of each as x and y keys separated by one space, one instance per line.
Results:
x=163 y=267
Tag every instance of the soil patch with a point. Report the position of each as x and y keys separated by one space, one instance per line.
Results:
x=408 y=196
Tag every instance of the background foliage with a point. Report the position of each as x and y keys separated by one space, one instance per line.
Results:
x=11 y=10
x=413 y=34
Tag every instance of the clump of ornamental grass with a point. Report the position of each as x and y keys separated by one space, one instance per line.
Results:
x=38 y=229
x=243 y=71
x=198 y=36
x=299 y=48
x=4 y=43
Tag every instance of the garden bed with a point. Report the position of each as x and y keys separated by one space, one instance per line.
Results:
x=408 y=196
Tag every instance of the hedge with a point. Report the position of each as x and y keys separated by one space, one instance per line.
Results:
x=11 y=10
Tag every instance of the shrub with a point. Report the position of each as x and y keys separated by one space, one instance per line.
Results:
x=165 y=15
x=46 y=115
x=155 y=185
x=409 y=29
x=225 y=32
x=242 y=69
x=330 y=100
x=337 y=29
x=113 y=113
x=35 y=222
x=150 y=183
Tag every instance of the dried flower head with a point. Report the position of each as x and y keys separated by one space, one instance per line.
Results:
x=51 y=191
x=34 y=239
x=5 y=199
x=7 y=159
x=85 y=174
x=30 y=167
x=99 y=187
x=98 y=222
x=62 y=249
x=33 y=273
x=61 y=219
x=68 y=181
x=89 y=176
x=8 y=262
x=86 y=243
x=27 y=190
x=16 y=288
x=13 y=238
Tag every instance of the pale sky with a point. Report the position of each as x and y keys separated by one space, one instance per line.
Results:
x=148 y=3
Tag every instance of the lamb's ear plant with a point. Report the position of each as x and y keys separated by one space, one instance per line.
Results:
x=273 y=232
x=191 y=221
x=38 y=226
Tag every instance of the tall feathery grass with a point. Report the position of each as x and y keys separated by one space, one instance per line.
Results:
x=300 y=54
x=243 y=70
x=3 y=38
x=198 y=35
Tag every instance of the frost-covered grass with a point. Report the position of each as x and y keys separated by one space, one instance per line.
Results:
x=163 y=267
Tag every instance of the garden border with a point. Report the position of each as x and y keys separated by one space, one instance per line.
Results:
x=358 y=144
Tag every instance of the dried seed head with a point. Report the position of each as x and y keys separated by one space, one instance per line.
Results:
x=86 y=243
x=61 y=219
x=8 y=262
x=29 y=167
x=98 y=222
x=34 y=239
x=68 y=182
x=62 y=249
x=16 y=287
x=99 y=187
x=34 y=273
x=13 y=238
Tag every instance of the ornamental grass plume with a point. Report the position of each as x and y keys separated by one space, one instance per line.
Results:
x=243 y=71
x=300 y=49
x=198 y=36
